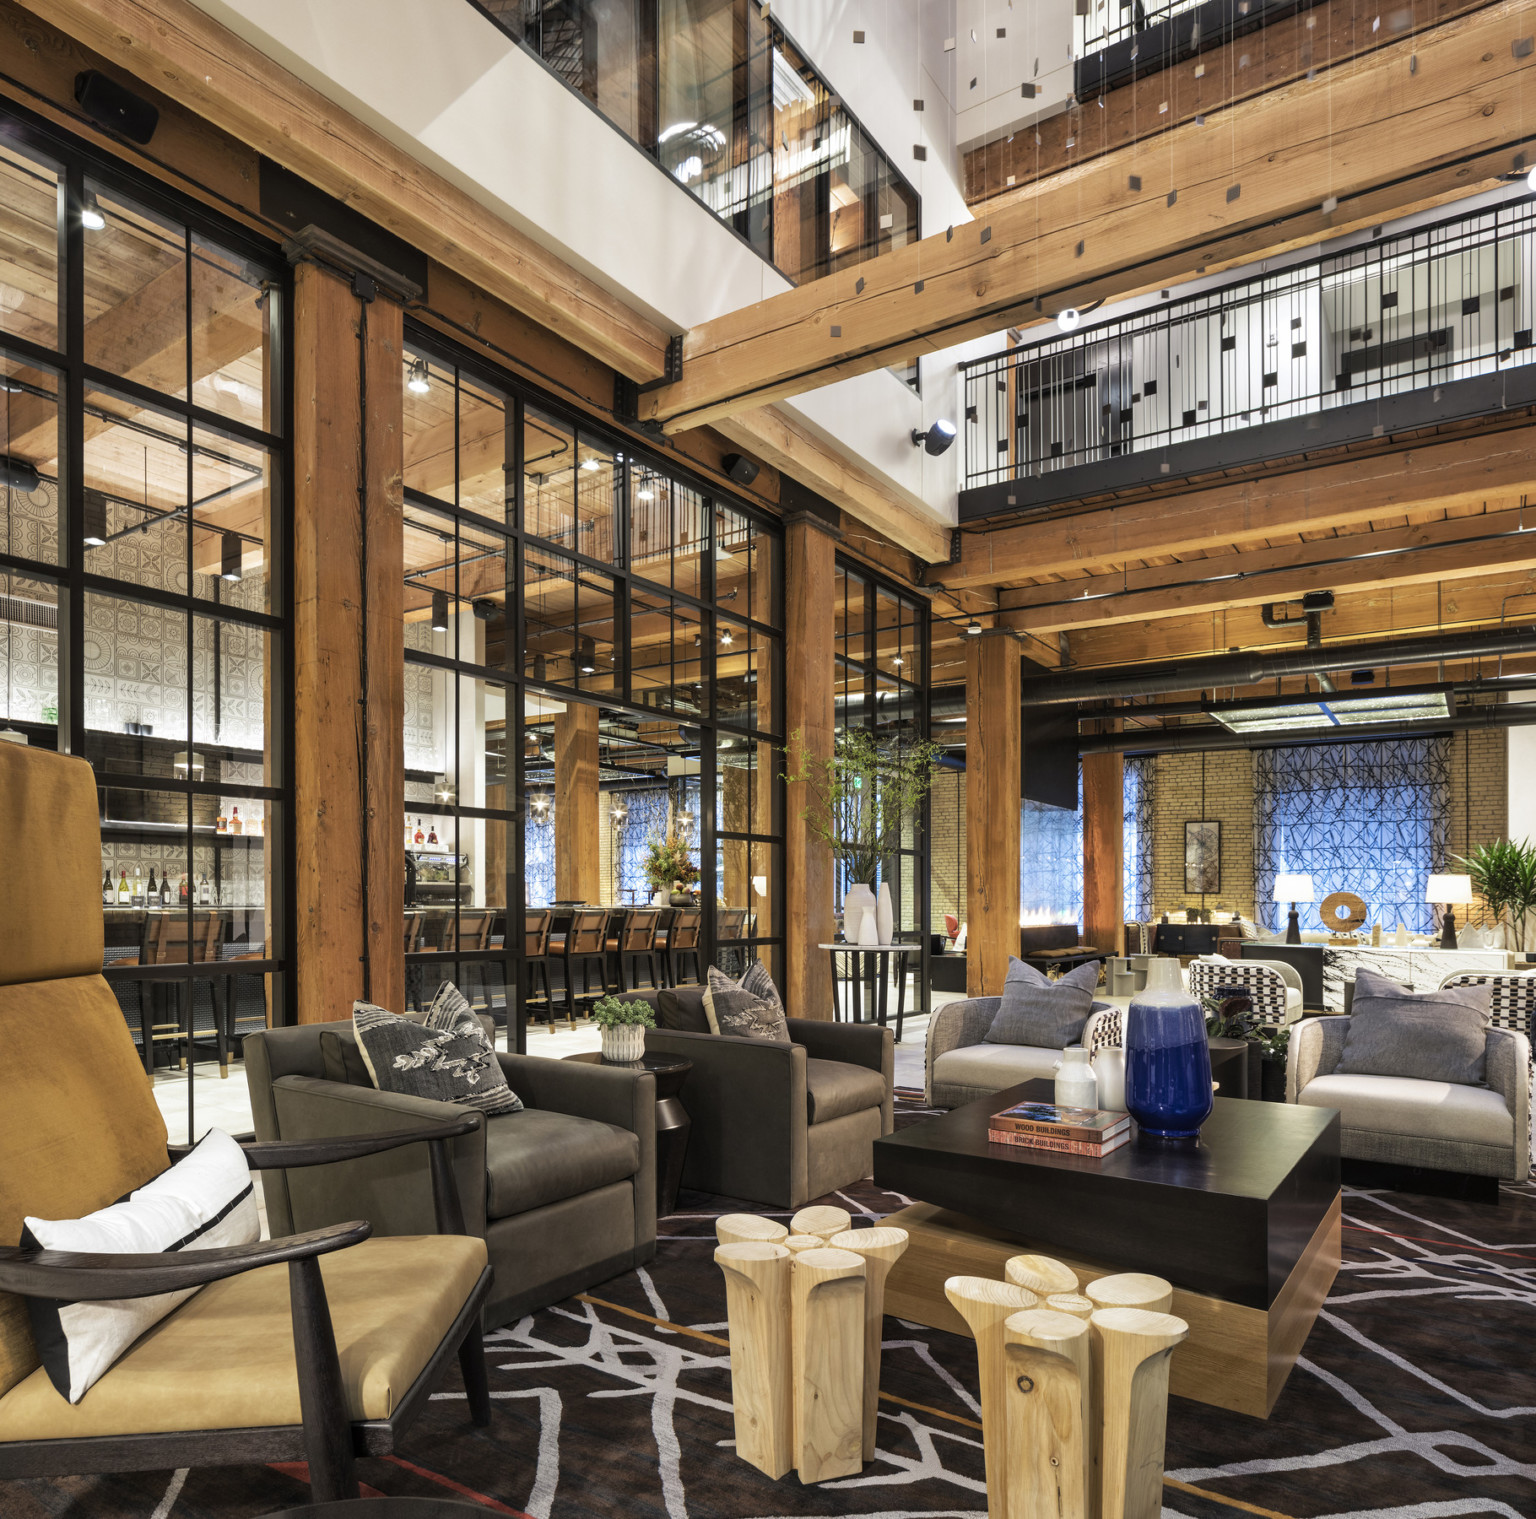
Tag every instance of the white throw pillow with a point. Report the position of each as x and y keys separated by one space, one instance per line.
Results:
x=204 y=1202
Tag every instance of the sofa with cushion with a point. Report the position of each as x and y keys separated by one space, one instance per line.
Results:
x=776 y=1123
x=976 y=1048
x=563 y=1193
x=1420 y=1081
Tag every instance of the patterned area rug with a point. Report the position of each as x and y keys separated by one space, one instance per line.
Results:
x=1415 y=1398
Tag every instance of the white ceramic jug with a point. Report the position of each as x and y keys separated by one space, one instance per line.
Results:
x=1109 y=1073
x=1076 y=1085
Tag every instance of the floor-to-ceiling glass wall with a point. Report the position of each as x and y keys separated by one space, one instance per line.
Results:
x=592 y=648
x=881 y=686
x=143 y=612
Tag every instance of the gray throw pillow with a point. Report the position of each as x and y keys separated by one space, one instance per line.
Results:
x=1045 y=1014
x=731 y=1009
x=760 y=984
x=1432 y=1036
x=681 y=1008
x=447 y=1057
x=343 y=1061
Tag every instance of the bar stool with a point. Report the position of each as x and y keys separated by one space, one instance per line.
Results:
x=729 y=928
x=537 y=922
x=683 y=943
x=586 y=942
x=637 y=941
x=226 y=989
x=177 y=938
x=475 y=933
x=415 y=923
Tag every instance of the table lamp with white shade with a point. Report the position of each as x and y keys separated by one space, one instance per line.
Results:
x=1449 y=892
x=1293 y=888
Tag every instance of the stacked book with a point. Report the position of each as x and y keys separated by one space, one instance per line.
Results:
x=1067 y=1131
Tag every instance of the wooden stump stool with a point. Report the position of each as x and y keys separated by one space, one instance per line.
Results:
x=757 y=1292
x=822 y=1222
x=1131 y=1289
x=795 y=1243
x=1074 y=1303
x=1040 y=1274
x=984 y=1305
x=827 y=1329
x=738 y=1228
x=880 y=1249
x=1131 y=1350
x=1047 y=1377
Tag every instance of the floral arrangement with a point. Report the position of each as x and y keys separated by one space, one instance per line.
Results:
x=669 y=864
x=611 y=1012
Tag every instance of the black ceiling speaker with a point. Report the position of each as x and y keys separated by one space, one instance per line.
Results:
x=740 y=468
x=115 y=107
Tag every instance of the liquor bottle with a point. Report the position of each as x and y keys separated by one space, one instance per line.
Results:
x=432 y=837
x=108 y=891
x=253 y=827
x=204 y=894
x=183 y=897
x=165 y=889
x=421 y=838
x=235 y=825
x=124 y=891
x=138 y=887
x=222 y=823
x=408 y=840
x=154 y=891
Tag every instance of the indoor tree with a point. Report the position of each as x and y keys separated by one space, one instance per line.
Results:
x=1504 y=875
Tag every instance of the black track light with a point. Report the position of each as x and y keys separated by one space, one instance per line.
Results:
x=586 y=657
x=21 y=476
x=439 y=611
x=95 y=519
x=230 y=552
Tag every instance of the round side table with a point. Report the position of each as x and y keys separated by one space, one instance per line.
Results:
x=672 y=1120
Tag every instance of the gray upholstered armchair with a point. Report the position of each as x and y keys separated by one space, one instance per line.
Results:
x=563 y=1193
x=781 y=1124
x=1441 y=1125
x=960 y=1066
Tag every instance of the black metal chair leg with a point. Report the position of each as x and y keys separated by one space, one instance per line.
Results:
x=221 y=1029
x=147 y=1030
x=477 y=1385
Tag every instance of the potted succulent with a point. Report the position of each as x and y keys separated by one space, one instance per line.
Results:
x=1230 y=1019
x=669 y=868
x=623 y=1025
x=859 y=799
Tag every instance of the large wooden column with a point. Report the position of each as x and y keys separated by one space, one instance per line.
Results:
x=578 y=876
x=1104 y=852
x=994 y=788
x=810 y=578
x=349 y=671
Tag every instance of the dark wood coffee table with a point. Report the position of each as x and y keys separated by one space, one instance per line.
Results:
x=1243 y=1222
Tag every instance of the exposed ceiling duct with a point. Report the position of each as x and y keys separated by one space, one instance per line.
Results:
x=1249 y=669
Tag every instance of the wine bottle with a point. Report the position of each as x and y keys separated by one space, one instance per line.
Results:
x=236 y=827
x=165 y=889
x=184 y=896
x=124 y=891
x=154 y=891
x=108 y=890
x=204 y=895
x=138 y=887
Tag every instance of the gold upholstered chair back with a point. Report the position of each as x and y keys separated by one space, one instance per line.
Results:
x=78 y=1122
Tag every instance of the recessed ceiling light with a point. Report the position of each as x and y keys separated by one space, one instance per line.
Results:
x=418 y=382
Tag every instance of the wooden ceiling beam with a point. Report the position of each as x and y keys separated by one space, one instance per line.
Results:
x=187 y=55
x=1422 y=119
x=1428 y=552
x=1496 y=467
x=773 y=435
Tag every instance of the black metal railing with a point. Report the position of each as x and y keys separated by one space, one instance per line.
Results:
x=1399 y=332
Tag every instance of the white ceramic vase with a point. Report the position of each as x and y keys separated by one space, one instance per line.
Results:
x=1076 y=1084
x=858 y=902
x=885 y=914
x=624 y=1041
x=1109 y=1072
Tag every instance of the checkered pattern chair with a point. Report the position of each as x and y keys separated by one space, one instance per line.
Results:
x=1512 y=1005
x=1276 y=995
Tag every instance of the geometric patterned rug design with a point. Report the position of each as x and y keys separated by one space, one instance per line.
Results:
x=1415 y=1398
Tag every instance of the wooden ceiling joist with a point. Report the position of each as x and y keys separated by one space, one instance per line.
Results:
x=1427 y=118
x=187 y=55
x=1495 y=467
x=1453 y=549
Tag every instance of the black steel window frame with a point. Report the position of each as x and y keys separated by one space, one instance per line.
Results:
x=916 y=689
x=425 y=342
x=75 y=162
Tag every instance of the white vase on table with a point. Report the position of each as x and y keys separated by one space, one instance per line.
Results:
x=858 y=903
x=1109 y=1071
x=885 y=915
x=1076 y=1085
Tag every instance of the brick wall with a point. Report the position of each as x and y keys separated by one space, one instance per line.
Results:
x=1227 y=799
x=946 y=847
x=1479 y=793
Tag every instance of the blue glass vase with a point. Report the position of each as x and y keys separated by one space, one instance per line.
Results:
x=1167 y=1059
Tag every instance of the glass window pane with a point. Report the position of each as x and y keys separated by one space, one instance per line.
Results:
x=485 y=452
x=144 y=841
x=230 y=661
x=745 y=675
x=29 y=658
x=233 y=318
x=135 y=294
x=29 y=255
x=431 y=459
x=746 y=558
x=596 y=474
x=232 y=521
x=549 y=478
x=136 y=463
x=483 y=594
x=697 y=46
x=666 y=649
x=29 y=437
x=135 y=670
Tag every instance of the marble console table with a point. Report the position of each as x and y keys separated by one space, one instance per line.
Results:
x=1419 y=969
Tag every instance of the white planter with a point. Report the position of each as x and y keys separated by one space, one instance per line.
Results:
x=885 y=915
x=624 y=1041
x=858 y=903
x=1076 y=1085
